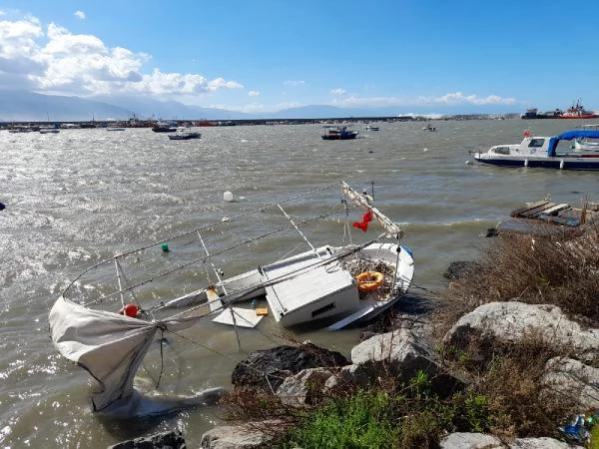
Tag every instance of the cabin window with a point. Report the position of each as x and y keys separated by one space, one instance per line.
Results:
x=322 y=310
x=502 y=150
x=536 y=143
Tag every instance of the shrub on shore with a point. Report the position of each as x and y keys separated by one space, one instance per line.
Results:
x=537 y=270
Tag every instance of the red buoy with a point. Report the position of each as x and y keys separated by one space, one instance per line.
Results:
x=130 y=310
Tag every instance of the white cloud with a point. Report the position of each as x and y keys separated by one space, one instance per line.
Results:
x=449 y=99
x=338 y=91
x=59 y=62
x=80 y=14
x=459 y=98
x=294 y=83
x=253 y=93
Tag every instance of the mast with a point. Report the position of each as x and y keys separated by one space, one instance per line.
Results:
x=391 y=228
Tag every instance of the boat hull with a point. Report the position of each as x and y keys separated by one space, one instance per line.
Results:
x=560 y=163
x=184 y=137
x=340 y=137
x=573 y=117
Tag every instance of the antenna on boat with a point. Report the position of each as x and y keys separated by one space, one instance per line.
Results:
x=222 y=286
x=299 y=231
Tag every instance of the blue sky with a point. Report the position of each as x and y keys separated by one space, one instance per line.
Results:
x=434 y=56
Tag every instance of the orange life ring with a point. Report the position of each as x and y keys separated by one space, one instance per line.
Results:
x=369 y=281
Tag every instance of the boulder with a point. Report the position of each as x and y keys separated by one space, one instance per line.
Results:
x=268 y=368
x=402 y=354
x=306 y=387
x=574 y=380
x=464 y=440
x=457 y=270
x=235 y=437
x=164 y=440
x=541 y=443
x=510 y=321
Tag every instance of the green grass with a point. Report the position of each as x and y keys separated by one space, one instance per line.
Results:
x=374 y=419
x=363 y=421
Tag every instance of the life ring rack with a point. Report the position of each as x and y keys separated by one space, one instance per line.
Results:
x=369 y=281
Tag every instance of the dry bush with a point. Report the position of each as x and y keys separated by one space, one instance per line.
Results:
x=259 y=410
x=510 y=376
x=537 y=270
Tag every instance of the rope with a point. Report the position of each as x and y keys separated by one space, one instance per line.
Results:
x=265 y=374
x=201 y=228
x=201 y=260
x=161 y=356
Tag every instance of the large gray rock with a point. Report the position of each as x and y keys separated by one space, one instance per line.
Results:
x=464 y=440
x=235 y=437
x=511 y=321
x=268 y=368
x=402 y=354
x=165 y=440
x=306 y=387
x=574 y=380
x=540 y=443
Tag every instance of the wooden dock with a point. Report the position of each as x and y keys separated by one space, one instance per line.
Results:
x=549 y=218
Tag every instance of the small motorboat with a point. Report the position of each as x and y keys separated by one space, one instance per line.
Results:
x=164 y=127
x=545 y=151
x=338 y=133
x=429 y=127
x=184 y=134
x=372 y=128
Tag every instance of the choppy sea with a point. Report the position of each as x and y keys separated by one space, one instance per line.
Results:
x=80 y=196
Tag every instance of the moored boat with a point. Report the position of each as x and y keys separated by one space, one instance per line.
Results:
x=184 y=134
x=577 y=111
x=332 y=132
x=164 y=127
x=544 y=151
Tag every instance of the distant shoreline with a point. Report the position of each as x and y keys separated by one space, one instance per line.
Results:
x=91 y=124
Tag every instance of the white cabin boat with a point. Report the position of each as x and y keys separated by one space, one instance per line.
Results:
x=544 y=151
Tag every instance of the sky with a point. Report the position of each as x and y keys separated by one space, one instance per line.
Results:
x=436 y=56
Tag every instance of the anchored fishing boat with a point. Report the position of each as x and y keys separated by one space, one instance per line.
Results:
x=338 y=133
x=107 y=325
x=546 y=152
x=184 y=133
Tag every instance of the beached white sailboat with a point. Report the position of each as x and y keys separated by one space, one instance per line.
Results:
x=107 y=330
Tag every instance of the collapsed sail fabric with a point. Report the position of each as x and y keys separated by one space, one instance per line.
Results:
x=109 y=346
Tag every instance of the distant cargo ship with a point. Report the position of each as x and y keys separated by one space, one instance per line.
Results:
x=576 y=111
x=533 y=113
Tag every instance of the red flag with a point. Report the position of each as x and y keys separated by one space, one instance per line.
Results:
x=363 y=225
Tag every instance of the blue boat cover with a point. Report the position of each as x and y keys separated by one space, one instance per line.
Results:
x=569 y=135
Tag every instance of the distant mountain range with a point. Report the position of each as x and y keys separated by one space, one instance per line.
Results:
x=29 y=106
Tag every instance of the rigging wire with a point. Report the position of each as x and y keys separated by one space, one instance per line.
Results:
x=201 y=228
